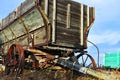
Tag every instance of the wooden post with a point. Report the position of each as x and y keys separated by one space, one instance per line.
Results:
x=68 y=15
x=88 y=17
x=46 y=7
x=54 y=21
x=93 y=13
x=81 y=25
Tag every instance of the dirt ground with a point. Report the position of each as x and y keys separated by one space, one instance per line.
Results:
x=48 y=74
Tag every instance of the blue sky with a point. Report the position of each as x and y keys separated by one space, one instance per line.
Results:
x=105 y=30
x=7 y=6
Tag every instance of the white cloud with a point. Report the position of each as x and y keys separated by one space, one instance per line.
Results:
x=111 y=38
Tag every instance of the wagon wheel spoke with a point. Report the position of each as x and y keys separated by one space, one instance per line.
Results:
x=89 y=65
x=83 y=61
x=86 y=60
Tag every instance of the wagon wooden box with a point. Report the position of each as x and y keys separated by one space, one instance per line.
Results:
x=51 y=23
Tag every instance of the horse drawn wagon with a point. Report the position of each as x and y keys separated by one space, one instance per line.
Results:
x=46 y=30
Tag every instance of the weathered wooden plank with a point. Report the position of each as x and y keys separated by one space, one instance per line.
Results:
x=46 y=7
x=12 y=16
x=84 y=17
x=8 y=33
x=39 y=36
x=50 y=12
x=61 y=11
x=74 y=24
x=61 y=19
x=60 y=24
x=2 y=38
x=67 y=41
x=33 y=20
x=25 y=6
x=54 y=21
x=63 y=2
x=91 y=13
x=23 y=40
x=68 y=15
x=18 y=11
x=5 y=22
x=64 y=37
x=5 y=47
x=62 y=5
x=68 y=31
x=17 y=28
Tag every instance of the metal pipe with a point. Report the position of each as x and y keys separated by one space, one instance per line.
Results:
x=97 y=51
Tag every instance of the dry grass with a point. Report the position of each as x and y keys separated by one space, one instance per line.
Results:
x=48 y=74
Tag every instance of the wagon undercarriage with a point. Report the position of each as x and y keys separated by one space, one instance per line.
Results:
x=36 y=59
x=43 y=33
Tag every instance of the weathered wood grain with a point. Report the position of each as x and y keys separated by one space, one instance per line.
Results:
x=69 y=24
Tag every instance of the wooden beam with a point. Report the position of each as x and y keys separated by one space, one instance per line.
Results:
x=54 y=21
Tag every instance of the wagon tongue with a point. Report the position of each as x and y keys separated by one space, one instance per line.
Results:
x=66 y=62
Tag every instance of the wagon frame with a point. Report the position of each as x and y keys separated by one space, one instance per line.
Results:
x=40 y=27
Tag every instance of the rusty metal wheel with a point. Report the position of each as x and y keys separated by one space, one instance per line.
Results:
x=86 y=61
x=14 y=59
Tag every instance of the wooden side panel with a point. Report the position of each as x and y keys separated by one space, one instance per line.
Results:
x=33 y=20
x=39 y=36
x=72 y=21
x=68 y=37
x=2 y=38
x=17 y=28
x=27 y=22
x=23 y=40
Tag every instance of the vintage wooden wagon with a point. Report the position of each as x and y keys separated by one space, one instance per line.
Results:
x=57 y=27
